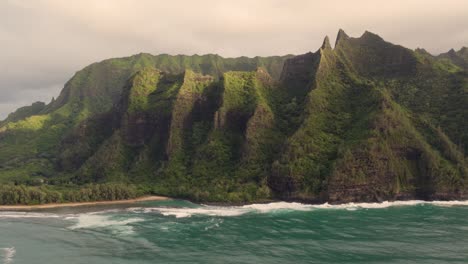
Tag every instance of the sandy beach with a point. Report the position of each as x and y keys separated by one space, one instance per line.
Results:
x=59 y=205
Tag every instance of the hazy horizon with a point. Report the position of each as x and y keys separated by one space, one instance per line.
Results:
x=45 y=42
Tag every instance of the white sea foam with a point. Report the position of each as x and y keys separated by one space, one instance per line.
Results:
x=93 y=220
x=102 y=219
x=105 y=219
x=450 y=203
x=187 y=212
x=278 y=206
x=28 y=215
x=229 y=211
x=8 y=254
x=381 y=205
x=225 y=211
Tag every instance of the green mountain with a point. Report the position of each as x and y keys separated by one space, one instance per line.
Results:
x=459 y=58
x=366 y=120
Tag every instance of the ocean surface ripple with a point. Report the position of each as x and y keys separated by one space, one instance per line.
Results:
x=177 y=231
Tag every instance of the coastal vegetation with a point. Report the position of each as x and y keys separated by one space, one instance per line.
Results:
x=33 y=195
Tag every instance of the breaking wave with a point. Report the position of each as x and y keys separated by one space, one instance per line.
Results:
x=229 y=211
x=102 y=219
x=107 y=219
x=7 y=214
x=92 y=220
x=8 y=254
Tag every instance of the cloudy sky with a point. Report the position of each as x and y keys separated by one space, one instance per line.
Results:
x=44 y=42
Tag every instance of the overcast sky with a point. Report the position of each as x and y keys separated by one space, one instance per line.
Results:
x=44 y=42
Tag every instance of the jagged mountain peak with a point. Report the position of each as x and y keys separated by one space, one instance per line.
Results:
x=326 y=43
x=422 y=51
x=371 y=36
x=367 y=36
x=459 y=58
x=341 y=36
x=369 y=54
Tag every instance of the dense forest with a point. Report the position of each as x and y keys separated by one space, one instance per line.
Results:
x=32 y=195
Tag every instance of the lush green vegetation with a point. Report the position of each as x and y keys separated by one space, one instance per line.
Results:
x=24 y=112
x=31 y=195
x=365 y=121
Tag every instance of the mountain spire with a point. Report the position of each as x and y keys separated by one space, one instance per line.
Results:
x=341 y=36
x=326 y=43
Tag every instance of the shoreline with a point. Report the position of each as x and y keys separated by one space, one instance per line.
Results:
x=27 y=208
x=80 y=204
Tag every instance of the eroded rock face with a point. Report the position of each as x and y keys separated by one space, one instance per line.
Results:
x=84 y=140
x=191 y=105
x=138 y=128
x=138 y=121
x=299 y=73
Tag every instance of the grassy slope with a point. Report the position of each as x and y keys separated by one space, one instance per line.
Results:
x=32 y=138
x=24 y=112
x=356 y=142
x=191 y=132
x=214 y=162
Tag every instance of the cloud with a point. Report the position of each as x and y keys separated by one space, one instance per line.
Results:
x=44 y=42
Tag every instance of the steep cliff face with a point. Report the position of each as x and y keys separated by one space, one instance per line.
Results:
x=363 y=121
x=99 y=85
x=32 y=138
x=357 y=143
x=188 y=134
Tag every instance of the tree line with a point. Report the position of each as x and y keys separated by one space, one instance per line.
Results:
x=30 y=195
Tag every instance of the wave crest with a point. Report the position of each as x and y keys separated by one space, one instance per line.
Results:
x=117 y=226
x=230 y=211
x=7 y=214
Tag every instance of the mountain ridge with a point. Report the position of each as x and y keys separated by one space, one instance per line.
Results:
x=366 y=120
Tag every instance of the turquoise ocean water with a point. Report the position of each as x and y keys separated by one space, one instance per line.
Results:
x=183 y=232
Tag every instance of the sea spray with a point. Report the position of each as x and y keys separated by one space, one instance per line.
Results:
x=390 y=232
x=98 y=218
x=278 y=207
x=8 y=254
x=93 y=220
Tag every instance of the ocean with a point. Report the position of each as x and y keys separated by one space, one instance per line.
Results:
x=176 y=231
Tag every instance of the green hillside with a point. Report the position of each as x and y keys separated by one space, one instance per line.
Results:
x=366 y=120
